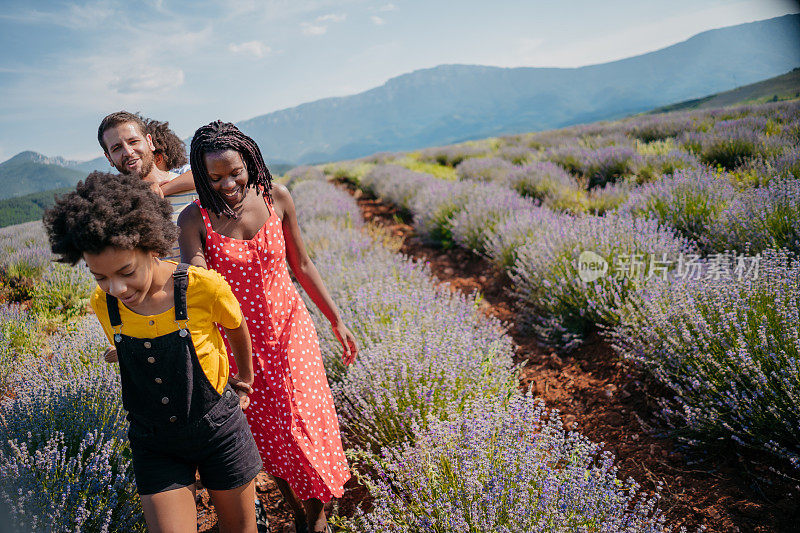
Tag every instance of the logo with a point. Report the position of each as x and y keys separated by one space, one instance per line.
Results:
x=591 y=266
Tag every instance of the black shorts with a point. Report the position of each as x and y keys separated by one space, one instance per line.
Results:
x=220 y=446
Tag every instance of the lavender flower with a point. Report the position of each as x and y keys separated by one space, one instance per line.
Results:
x=486 y=169
x=727 y=347
x=502 y=466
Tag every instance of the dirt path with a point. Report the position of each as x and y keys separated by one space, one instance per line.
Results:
x=607 y=401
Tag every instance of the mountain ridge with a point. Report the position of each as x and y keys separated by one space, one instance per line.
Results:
x=422 y=108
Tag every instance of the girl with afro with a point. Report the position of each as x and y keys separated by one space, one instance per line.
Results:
x=161 y=319
x=246 y=229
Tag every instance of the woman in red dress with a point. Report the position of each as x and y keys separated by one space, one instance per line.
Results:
x=246 y=229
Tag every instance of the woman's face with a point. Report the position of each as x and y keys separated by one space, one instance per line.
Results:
x=126 y=274
x=227 y=174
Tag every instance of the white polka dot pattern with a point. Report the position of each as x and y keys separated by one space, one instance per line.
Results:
x=291 y=411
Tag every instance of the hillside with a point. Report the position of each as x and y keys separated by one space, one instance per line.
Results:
x=450 y=103
x=783 y=87
x=30 y=172
x=28 y=207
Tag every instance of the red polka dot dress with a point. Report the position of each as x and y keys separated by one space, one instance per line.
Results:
x=291 y=411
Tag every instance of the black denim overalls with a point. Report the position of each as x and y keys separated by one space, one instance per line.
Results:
x=179 y=423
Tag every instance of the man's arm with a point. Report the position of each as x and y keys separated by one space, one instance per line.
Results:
x=183 y=183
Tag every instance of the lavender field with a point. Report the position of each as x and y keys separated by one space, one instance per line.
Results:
x=674 y=236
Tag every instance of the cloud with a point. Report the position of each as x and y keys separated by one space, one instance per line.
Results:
x=377 y=20
x=312 y=29
x=150 y=80
x=75 y=16
x=331 y=18
x=256 y=48
x=387 y=7
x=319 y=26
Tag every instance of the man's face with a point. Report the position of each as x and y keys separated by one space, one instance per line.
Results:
x=128 y=149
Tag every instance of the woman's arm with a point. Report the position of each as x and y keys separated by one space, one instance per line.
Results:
x=183 y=183
x=242 y=350
x=307 y=275
x=192 y=236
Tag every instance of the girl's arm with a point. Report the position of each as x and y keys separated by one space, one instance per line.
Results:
x=183 y=183
x=307 y=275
x=192 y=236
x=242 y=350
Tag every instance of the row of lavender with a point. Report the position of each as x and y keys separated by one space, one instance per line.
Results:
x=64 y=459
x=431 y=406
x=746 y=140
x=719 y=328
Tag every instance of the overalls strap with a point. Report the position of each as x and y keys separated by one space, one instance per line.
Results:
x=113 y=311
x=181 y=277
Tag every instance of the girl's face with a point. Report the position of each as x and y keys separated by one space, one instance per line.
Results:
x=227 y=174
x=126 y=274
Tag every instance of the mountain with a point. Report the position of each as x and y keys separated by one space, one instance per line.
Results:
x=783 y=87
x=85 y=167
x=29 y=172
x=452 y=103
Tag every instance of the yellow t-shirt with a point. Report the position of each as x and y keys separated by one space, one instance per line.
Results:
x=209 y=300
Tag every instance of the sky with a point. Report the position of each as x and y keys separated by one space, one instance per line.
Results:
x=65 y=65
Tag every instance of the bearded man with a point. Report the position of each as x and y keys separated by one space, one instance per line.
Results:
x=130 y=149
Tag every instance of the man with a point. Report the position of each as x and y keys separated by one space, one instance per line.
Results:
x=130 y=149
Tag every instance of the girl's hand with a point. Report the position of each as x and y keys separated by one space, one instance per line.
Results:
x=242 y=389
x=348 y=342
x=111 y=355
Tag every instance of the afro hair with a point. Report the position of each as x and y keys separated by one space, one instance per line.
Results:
x=167 y=143
x=108 y=210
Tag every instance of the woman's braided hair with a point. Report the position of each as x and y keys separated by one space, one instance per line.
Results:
x=216 y=137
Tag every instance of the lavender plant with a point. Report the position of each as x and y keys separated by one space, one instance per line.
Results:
x=761 y=218
x=485 y=169
x=489 y=204
x=50 y=489
x=63 y=292
x=540 y=180
x=303 y=173
x=423 y=350
x=395 y=184
x=64 y=457
x=20 y=338
x=560 y=305
x=727 y=346
x=690 y=202
x=503 y=466
x=501 y=245
x=435 y=205
x=453 y=155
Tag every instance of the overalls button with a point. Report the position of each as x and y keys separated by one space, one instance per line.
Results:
x=158 y=380
x=151 y=359
x=183 y=333
x=165 y=400
x=151 y=322
x=147 y=344
x=173 y=419
x=227 y=394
